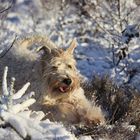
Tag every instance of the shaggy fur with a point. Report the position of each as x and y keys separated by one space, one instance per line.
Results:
x=54 y=78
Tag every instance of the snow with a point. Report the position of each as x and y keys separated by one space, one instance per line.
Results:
x=27 y=123
x=85 y=138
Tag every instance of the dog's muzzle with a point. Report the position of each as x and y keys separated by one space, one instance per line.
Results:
x=65 y=85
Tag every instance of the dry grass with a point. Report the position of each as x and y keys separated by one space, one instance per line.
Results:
x=113 y=99
x=114 y=132
x=133 y=114
x=122 y=105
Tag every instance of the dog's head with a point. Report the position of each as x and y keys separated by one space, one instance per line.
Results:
x=59 y=71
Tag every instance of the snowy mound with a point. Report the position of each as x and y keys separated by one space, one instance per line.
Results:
x=20 y=122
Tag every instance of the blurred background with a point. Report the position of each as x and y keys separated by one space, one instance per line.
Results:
x=107 y=32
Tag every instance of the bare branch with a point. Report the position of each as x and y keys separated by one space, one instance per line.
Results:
x=119 y=14
x=4 y=53
x=7 y=8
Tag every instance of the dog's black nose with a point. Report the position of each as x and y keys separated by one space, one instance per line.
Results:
x=67 y=81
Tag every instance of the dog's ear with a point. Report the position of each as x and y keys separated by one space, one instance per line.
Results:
x=43 y=50
x=46 y=52
x=73 y=45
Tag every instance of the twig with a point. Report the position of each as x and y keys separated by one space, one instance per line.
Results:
x=113 y=115
x=6 y=9
x=113 y=55
x=8 y=48
x=119 y=14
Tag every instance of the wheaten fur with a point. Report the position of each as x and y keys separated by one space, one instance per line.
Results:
x=54 y=78
x=74 y=109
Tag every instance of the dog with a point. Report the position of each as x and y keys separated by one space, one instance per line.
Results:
x=54 y=77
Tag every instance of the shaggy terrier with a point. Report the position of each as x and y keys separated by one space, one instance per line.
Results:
x=54 y=78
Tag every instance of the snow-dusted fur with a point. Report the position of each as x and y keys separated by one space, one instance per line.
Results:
x=47 y=67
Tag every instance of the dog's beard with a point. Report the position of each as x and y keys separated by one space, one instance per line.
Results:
x=56 y=88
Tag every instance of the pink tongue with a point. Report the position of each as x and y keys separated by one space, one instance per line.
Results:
x=62 y=89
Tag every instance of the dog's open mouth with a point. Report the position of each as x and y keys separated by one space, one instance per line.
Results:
x=63 y=88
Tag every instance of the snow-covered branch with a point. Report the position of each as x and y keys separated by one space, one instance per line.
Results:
x=9 y=99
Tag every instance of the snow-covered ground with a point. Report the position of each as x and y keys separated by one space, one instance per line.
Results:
x=24 y=123
x=102 y=47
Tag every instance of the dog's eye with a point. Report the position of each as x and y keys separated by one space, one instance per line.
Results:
x=69 y=66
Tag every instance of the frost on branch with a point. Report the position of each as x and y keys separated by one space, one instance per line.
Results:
x=23 y=122
x=14 y=102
